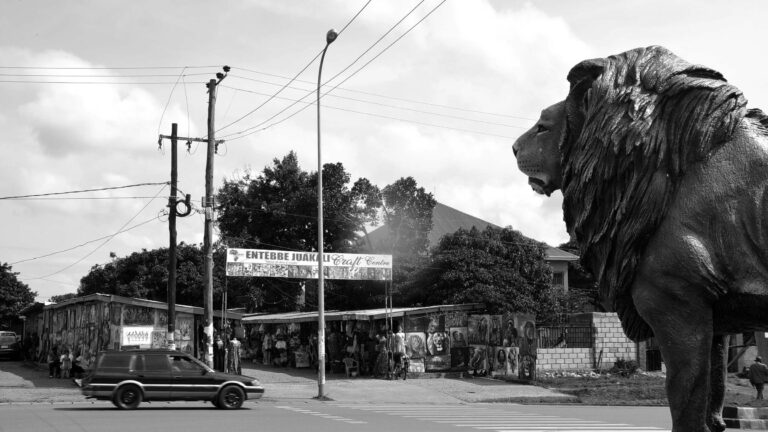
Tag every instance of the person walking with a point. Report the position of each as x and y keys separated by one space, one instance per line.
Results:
x=758 y=376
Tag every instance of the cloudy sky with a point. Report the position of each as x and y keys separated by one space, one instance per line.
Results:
x=88 y=85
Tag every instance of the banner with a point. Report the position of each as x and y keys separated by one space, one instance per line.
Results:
x=137 y=336
x=303 y=265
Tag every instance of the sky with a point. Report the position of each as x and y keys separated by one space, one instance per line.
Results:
x=88 y=86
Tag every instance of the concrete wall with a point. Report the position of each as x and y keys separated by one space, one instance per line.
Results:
x=609 y=339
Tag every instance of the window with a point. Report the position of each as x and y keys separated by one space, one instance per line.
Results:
x=184 y=364
x=558 y=279
x=156 y=362
x=115 y=361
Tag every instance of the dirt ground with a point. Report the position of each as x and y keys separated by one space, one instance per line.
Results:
x=638 y=389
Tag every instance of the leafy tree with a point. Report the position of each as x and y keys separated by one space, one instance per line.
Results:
x=277 y=209
x=408 y=215
x=14 y=294
x=496 y=266
x=61 y=297
x=581 y=284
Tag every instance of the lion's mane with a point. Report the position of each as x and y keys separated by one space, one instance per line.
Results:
x=636 y=122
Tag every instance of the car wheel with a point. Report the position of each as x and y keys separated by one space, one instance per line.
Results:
x=231 y=397
x=127 y=397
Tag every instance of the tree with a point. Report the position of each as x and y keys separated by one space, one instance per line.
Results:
x=581 y=284
x=496 y=266
x=278 y=210
x=62 y=297
x=408 y=216
x=14 y=294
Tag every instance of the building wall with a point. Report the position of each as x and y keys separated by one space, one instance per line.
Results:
x=548 y=359
x=610 y=344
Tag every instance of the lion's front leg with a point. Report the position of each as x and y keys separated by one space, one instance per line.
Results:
x=718 y=364
x=683 y=327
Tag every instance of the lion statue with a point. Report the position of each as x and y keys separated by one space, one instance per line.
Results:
x=664 y=175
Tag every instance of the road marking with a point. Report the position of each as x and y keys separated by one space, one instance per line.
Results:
x=322 y=415
x=488 y=419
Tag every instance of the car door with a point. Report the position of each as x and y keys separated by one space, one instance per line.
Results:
x=153 y=371
x=191 y=380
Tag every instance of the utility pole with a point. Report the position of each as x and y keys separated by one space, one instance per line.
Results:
x=208 y=232
x=172 y=240
x=172 y=213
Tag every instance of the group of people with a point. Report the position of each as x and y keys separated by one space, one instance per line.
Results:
x=226 y=356
x=64 y=363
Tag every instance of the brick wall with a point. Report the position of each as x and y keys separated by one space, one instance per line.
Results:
x=609 y=338
x=548 y=359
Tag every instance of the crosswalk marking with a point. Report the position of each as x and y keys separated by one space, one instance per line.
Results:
x=490 y=419
x=322 y=415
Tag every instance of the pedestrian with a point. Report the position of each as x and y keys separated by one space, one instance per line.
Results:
x=54 y=363
x=758 y=376
x=233 y=359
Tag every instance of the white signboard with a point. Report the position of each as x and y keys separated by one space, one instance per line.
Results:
x=303 y=265
x=141 y=336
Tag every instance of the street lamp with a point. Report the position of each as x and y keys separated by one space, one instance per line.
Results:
x=329 y=38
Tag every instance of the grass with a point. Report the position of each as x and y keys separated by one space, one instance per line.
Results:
x=609 y=389
x=639 y=389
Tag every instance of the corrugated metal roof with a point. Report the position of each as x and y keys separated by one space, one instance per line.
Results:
x=364 y=314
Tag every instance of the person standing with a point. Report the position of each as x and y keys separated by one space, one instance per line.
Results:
x=758 y=376
x=233 y=363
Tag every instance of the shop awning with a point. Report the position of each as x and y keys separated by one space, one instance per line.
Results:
x=358 y=315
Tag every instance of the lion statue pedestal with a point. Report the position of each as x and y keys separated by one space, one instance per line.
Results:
x=664 y=174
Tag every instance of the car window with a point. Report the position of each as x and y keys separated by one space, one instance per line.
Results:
x=7 y=340
x=155 y=362
x=115 y=361
x=185 y=364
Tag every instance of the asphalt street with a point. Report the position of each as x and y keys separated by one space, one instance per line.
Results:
x=30 y=401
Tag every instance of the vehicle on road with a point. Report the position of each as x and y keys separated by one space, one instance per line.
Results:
x=129 y=377
x=9 y=345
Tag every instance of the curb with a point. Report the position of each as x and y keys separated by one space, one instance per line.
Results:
x=745 y=417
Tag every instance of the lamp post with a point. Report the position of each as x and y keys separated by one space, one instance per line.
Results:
x=329 y=38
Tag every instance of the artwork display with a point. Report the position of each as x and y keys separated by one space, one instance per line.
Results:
x=417 y=365
x=416 y=345
x=416 y=324
x=438 y=344
x=436 y=323
x=460 y=358
x=478 y=359
x=455 y=319
x=477 y=332
x=437 y=363
x=138 y=315
x=458 y=337
x=494 y=330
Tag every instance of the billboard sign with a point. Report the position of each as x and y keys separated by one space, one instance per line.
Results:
x=303 y=265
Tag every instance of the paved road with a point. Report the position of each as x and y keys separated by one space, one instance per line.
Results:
x=323 y=417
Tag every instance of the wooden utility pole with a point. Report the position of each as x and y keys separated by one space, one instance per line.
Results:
x=172 y=240
x=208 y=232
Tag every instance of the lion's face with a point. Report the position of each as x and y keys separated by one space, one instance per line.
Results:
x=538 y=150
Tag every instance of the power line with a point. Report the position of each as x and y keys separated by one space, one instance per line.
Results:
x=105 y=241
x=375 y=95
x=81 y=198
x=85 y=243
x=388 y=106
x=101 y=76
x=243 y=132
x=84 y=190
x=104 y=67
x=94 y=82
x=295 y=76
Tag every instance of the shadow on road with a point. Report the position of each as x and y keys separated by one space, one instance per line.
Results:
x=29 y=374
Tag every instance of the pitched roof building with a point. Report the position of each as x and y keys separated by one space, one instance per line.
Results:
x=447 y=220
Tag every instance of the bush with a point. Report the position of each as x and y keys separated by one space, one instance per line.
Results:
x=624 y=367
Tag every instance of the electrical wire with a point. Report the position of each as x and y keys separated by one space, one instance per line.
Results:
x=295 y=76
x=103 y=67
x=255 y=129
x=109 y=238
x=85 y=190
x=379 y=95
x=93 y=82
x=86 y=243
x=386 y=106
x=168 y=102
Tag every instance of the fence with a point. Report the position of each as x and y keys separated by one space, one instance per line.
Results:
x=566 y=337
